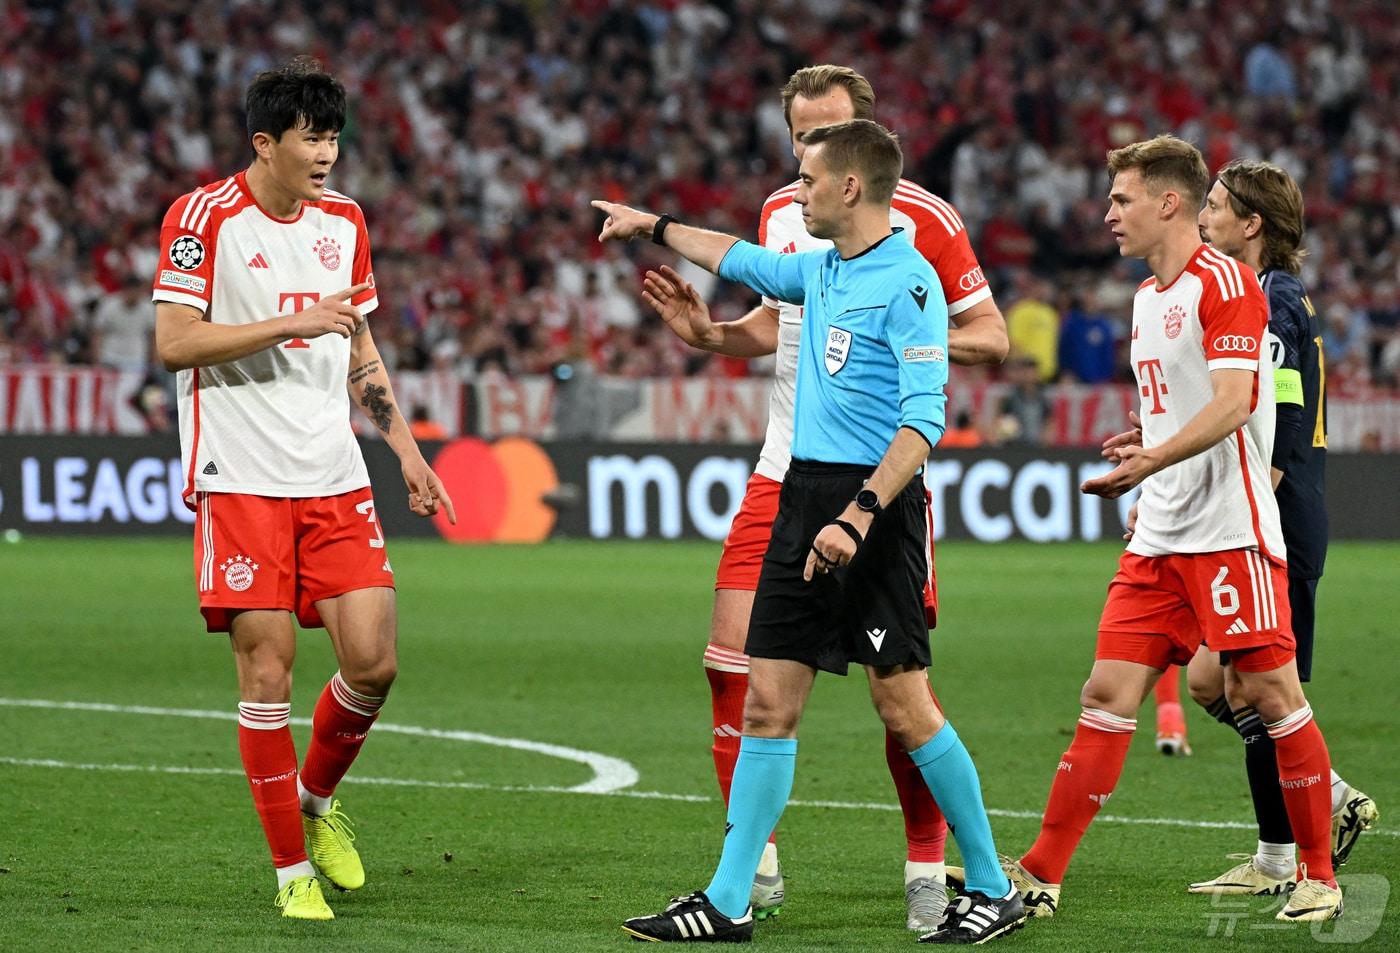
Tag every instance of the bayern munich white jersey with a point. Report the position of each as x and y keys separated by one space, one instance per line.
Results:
x=274 y=423
x=1212 y=317
x=936 y=231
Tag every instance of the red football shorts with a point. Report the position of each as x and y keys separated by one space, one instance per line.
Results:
x=264 y=552
x=742 y=558
x=1161 y=608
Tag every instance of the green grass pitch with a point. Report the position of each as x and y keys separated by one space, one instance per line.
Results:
x=596 y=647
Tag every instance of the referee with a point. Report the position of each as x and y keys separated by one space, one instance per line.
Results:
x=842 y=579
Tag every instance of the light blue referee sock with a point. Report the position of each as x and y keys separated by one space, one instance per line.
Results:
x=757 y=796
x=951 y=776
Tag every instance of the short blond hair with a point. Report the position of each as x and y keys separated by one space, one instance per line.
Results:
x=1266 y=190
x=864 y=147
x=813 y=82
x=1166 y=162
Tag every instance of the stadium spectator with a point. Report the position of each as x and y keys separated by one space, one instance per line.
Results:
x=479 y=131
x=1023 y=415
x=1088 y=342
x=1033 y=325
x=122 y=334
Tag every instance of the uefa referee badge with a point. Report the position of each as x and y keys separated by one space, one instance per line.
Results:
x=838 y=348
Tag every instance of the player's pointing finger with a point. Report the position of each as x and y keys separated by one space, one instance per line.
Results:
x=350 y=292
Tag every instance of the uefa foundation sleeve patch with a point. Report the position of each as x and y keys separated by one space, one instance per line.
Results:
x=923 y=354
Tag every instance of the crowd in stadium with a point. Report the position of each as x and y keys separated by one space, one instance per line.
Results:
x=478 y=133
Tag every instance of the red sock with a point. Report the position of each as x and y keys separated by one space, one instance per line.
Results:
x=728 y=673
x=1305 y=774
x=1169 y=686
x=270 y=761
x=1171 y=719
x=925 y=829
x=338 y=728
x=1088 y=773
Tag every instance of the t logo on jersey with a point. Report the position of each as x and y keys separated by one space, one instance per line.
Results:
x=300 y=301
x=1152 y=384
x=838 y=348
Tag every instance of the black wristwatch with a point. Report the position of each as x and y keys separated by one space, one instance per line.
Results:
x=869 y=501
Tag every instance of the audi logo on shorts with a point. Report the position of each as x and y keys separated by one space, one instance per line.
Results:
x=1237 y=342
x=972 y=279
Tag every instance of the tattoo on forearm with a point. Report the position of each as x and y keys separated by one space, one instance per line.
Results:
x=363 y=371
x=378 y=406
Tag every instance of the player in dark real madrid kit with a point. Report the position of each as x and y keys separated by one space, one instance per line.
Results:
x=1254 y=213
x=842 y=579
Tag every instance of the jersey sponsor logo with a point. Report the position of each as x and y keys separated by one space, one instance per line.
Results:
x=972 y=279
x=1236 y=342
x=186 y=253
x=1152 y=384
x=176 y=280
x=838 y=348
x=239 y=572
x=1175 y=315
x=258 y=261
x=920 y=295
x=328 y=250
x=789 y=249
x=210 y=469
x=924 y=353
x=877 y=637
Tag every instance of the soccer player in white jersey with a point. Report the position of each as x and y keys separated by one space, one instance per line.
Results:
x=261 y=294
x=817 y=96
x=1205 y=563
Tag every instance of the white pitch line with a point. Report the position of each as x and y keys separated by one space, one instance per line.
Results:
x=609 y=774
x=640 y=795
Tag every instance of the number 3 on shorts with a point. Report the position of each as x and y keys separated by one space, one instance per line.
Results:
x=1226 y=599
x=367 y=508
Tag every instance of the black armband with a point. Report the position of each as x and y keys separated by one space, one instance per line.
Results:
x=851 y=531
x=658 y=231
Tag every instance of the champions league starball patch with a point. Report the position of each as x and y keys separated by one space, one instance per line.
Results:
x=187 y=253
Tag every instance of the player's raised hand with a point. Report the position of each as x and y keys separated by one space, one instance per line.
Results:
x=679 y=305
x=333 y=314
x=1129 y=438
x=624 y=223
x=1135 y=464
x=425 y=491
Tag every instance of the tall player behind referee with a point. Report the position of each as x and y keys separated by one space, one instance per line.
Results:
x=843 y=577
x=1254 y=213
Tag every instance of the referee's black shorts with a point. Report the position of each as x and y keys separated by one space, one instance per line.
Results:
x=870 y=612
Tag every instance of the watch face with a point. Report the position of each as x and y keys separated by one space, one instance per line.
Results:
x=868 y=500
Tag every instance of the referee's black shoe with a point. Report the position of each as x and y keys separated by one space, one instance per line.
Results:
x=973 y=917
x=691 y=919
